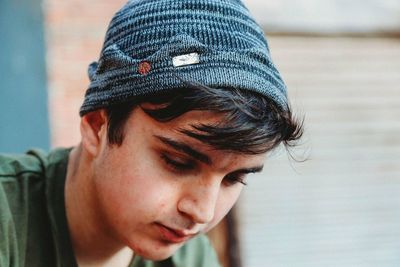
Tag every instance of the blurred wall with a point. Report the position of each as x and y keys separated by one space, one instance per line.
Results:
x=23 y=91
x=339 y=208
x=328 y=16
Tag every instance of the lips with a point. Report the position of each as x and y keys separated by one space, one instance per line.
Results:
x=173 y=235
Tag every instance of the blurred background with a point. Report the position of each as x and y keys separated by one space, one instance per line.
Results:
x=341 y=62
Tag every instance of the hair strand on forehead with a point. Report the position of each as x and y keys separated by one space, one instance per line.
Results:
x=250 y=123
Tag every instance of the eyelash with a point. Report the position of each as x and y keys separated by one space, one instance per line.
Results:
x=234 y=179
x=230 y=179
x=178 y=166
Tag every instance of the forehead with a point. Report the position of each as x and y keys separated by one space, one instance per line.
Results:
x=172 y=130
x=175 y=126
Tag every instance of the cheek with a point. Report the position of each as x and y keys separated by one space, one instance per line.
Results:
x=135 y=188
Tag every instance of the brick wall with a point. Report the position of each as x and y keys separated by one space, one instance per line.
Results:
x=74 y=35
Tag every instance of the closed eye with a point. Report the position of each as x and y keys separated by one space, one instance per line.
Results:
x=239 y=176
x=178 y=165
x=232 y=179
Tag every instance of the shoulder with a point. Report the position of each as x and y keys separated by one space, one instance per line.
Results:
x=19 y=168
x=18 y=174
x=21 y=188
x=23 y=177
x=15 y=165
x=198 y=252
x=15 y=172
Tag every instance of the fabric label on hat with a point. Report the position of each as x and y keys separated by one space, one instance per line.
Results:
x=188 y=59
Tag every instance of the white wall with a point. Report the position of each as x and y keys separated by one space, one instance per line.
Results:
x=327 y=15
x=341 y=208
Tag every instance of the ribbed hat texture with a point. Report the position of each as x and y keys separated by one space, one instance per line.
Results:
x=157 y=45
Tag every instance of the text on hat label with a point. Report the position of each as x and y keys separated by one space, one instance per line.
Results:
x=188 y=59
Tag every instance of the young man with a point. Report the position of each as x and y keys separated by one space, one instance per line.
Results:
x=183 y=103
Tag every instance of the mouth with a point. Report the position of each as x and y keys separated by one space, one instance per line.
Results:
x=171 y=235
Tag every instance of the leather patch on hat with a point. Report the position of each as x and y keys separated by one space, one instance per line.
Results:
x=144 y=67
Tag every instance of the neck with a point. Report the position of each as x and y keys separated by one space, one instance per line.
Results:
x=92 y=240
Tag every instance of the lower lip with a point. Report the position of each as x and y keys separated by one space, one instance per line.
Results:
x=170 y=235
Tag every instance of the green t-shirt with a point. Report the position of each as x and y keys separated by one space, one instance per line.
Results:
x=33 y=224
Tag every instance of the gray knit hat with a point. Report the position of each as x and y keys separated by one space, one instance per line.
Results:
x=158 y=45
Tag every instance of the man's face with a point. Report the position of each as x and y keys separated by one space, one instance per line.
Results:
x=161 y=187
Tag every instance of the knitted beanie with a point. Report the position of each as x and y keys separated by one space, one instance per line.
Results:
x=158 y=45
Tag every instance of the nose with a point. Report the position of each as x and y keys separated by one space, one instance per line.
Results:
x=199 y=201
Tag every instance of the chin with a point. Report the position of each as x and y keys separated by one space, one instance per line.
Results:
x=157 y=253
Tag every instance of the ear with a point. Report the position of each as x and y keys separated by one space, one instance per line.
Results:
x=94 y=131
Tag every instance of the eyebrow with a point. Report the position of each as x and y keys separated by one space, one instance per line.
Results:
x=185 y=149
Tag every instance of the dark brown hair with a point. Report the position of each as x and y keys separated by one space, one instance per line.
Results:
x=251 y=124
